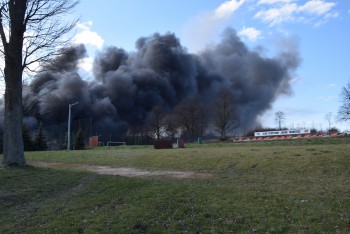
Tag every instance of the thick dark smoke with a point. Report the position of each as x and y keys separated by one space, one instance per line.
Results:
x=161 y=72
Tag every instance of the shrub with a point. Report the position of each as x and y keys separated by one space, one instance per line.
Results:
x=28 y=143
x=40 y=139
x=79 y=141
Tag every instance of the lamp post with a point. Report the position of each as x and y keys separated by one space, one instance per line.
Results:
x=69 y=117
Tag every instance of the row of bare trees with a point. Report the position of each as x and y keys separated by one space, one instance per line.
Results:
x=192 y=117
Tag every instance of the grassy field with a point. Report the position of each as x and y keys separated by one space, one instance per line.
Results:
x=299 y=186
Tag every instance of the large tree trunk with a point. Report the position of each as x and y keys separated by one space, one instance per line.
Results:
x=13 y=141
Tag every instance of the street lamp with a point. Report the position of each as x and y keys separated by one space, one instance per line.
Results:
x=69 y=116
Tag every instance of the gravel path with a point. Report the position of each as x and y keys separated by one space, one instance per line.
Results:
x=124 y=171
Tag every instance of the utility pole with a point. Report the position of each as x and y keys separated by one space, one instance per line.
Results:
x=69 y=117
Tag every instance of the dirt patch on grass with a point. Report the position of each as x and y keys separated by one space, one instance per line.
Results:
x=124 y=171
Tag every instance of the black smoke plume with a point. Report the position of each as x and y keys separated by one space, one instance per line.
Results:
x=159 y=73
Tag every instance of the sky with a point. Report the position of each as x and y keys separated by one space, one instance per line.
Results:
x=318 y=29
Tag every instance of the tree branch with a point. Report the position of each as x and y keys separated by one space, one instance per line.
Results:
x=2 y=32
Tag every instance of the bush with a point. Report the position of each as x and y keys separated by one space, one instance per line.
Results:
x=40 y=139
x=79 y=141
x=28 y=143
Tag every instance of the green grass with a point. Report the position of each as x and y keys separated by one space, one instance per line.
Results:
x=263 y=187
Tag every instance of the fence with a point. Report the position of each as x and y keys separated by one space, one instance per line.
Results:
x=56 y=134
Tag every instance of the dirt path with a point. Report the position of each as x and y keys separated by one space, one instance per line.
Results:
x=124 y=171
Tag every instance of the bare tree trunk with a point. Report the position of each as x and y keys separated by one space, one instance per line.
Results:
x=13 y=141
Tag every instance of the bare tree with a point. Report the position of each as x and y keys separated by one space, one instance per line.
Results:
x=189 y=114
x=343 y=114
x=172 y=127
x=328 y=117
x=280 y=117
x=31 y=32
x=155 y=123
x=224 y=113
